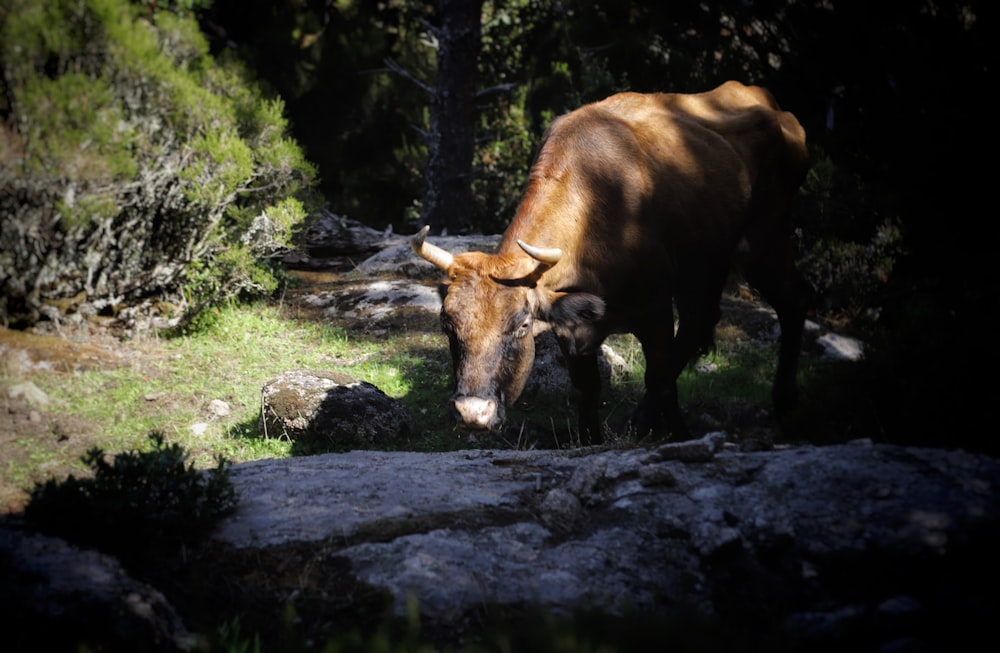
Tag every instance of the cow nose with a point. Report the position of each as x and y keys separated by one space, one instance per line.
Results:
x=475 y=412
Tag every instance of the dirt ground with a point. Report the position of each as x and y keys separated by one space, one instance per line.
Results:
x=31 y=421
x=31 y=425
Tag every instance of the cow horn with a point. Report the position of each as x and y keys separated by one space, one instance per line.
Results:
x=547 y=255
x=432 y=253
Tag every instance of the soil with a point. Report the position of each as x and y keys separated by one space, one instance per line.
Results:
x=253 y=584
x=30 y=423
x=27 y=429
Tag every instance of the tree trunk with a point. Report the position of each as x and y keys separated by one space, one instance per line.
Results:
x=448 y=195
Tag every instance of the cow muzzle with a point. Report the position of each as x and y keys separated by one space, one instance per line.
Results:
x=476 y=413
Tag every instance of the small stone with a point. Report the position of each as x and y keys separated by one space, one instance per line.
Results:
x=218 y=408
x=561 y=509
x=700 y=450
x=656 y=476
x=841 y=348
x=31 y=393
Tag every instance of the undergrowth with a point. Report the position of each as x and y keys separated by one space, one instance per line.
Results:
x=139 y=503
x=136 y=505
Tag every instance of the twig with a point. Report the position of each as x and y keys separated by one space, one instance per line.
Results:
x=407 y=75
x=492 y=90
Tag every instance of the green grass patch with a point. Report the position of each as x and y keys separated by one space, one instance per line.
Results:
x=169 y=385
x=744 y=372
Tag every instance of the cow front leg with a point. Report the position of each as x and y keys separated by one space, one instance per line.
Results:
x=586 y=380
x=660 y=406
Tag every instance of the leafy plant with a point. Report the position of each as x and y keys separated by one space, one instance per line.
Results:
x=136 y=503
x=849 y=247
x=134 y=163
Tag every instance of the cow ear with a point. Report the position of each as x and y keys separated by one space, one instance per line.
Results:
x=576 y=308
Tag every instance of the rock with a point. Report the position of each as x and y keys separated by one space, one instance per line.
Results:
x=375 y=300
x=35 y=396
x=400 y=259
x=332 y=235
x=701 y=450
x=802 y=543
x=331 y=411
x=22 y=351
x=217 y=408
x=841 y=348
x=561 y=510
x=848 y=547
x=65 y=599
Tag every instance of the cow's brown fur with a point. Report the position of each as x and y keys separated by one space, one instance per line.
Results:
x=651 y=199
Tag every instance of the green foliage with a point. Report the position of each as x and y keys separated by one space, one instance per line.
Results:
x=77 y=126
x=229 y=637
x=849 y=250
x=137 y=163
x=502 y=158
x=139 y=502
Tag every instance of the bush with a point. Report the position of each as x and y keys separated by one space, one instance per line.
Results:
x=138 y=504
x=849 y=249
x=131 y=162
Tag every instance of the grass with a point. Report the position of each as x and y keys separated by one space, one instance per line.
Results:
x=166 y=383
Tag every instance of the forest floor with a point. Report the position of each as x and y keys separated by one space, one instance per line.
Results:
x=40 y=438
x=39 y=433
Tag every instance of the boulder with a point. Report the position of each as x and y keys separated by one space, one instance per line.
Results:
x=398 y=258
x=329 y=235
x=57 y=597
x=331 y=411
x=860 y=545
x=848 y=547
x=549 y=372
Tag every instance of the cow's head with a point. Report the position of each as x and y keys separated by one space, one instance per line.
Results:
x=492 y=306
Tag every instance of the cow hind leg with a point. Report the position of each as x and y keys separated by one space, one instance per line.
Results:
x=667 y=353
x=775 y=276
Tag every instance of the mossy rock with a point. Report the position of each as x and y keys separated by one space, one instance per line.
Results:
x=324 y=410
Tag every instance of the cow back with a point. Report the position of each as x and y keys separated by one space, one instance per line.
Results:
x=637 y=185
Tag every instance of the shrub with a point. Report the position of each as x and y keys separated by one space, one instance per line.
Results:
x=849 y=248
x=137 y=504
x=131 y=161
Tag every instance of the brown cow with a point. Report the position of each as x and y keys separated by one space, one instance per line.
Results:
x=634 y=205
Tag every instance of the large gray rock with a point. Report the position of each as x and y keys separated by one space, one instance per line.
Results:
x=329 y=234
x=817 y=540
x=398 y=257
x=57 y=597
x=850 y=547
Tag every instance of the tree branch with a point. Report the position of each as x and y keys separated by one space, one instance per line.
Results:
x=433 y=29
x=492 y=90
x=405 y=74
